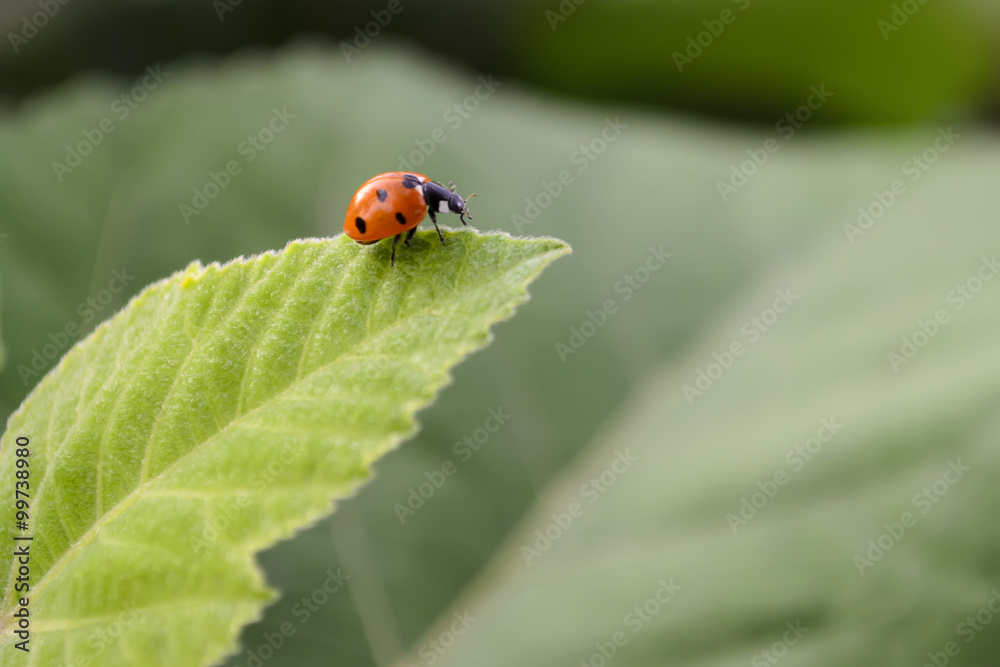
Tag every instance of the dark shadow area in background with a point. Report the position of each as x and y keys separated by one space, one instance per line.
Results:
x=942 y=65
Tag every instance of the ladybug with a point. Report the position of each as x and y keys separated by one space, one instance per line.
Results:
x=394 y=203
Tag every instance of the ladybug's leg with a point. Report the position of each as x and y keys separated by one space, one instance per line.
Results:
x=409 y=235
x=434 y=220
x=395 y=241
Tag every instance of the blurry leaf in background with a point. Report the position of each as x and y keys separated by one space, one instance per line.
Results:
x=3 y=349
x=812 y=479
x=620 y=185
x=760 y=57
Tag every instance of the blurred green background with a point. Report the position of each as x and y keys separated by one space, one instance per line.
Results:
x=918 y=106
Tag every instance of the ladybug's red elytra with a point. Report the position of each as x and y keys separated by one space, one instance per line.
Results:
x=394 y=203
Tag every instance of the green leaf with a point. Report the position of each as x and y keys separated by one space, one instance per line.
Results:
x=223 y=409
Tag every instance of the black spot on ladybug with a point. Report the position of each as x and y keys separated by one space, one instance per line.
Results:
x=410 y=181
x=382 y=194
x=401 y=218
x=360 y=223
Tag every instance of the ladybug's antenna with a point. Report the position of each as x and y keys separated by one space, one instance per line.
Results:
x=466 y=211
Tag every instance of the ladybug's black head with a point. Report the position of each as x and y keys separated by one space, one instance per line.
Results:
x=461 y=206
x=443 y=200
